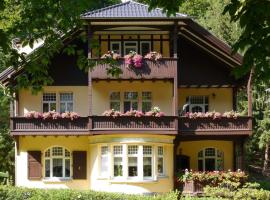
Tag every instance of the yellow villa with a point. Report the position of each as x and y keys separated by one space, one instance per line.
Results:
x=162 y=115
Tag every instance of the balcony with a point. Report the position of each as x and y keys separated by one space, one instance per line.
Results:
x=208 y=126
x=24 y=126
x=165 y=68
x=169 y=125
x=131 y=124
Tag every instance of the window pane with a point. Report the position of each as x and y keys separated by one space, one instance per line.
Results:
x=147 y=96
x=115 y=47
x=127 y=106
x=115 y=96
x=132 y=149
x=52 y=107
x=146 y=106
x=45 y=107
x=47 y=168
x=62 y=107
x=49 y=96
x=67 y=153
x=210 y=152
x=160 y=165
x=57 y=167
x=104 y=165
x=117 y=150
x=47 y=153
x=145 y=48
x=57 y=151
x=197 y=99
x=67 y=166
x=197 y=109
x=147 y=166
x=131 y=95
x=147 y=150
x=160 y=151
x=132 y=166
x=115 y=106
x=66 y=96
x=134 y=105
x=69 y=107
x=210 y=164
x=117 y=166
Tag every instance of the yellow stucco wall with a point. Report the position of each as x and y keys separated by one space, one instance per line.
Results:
x=221 y=102
x=30 y=102
x=161 y=93
x=41 y=143
x=191 y=149
x=90 y=144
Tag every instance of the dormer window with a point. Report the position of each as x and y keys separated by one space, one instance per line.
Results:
x=197 y=104
x=130 y=46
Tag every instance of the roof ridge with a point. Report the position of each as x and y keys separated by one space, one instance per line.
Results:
x=105 y=8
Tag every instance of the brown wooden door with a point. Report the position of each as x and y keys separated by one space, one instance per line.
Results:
x=79 y=165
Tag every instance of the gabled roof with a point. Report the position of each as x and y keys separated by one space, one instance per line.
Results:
x=129 y=9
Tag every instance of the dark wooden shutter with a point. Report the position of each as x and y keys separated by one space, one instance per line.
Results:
x=34 y=165
x=79 y=165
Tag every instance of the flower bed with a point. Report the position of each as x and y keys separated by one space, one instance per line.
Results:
x=51 y=115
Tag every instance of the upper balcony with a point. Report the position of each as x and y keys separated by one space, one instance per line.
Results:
x=165 y=68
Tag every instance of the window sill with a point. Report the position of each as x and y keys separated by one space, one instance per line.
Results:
x=132 y=181
x=56 y=180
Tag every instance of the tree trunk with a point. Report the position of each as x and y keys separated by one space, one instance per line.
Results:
x=266 y=159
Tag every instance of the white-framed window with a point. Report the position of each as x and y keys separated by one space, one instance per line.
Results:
x=130 y=46
x=117 y=161
x=57 y=163
x=145 y=47
x=49 y=101
x=115 y=101
x=210 y=159
x=66 y=102
x=197 y=104
x=104 y=161
x=146 y=101
x=132 y=161
x=116 y=46
x=160 y=165
x=130 y=101
x=147 y=161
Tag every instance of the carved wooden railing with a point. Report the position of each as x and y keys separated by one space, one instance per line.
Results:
x=163 y=124
x=23 y=124
x=162 y=69
x=223 y=126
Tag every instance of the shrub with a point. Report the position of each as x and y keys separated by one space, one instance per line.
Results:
x=242 y=193
x=232 y=180
x=18 y=193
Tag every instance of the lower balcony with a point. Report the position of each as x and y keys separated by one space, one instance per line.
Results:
x=208 y=126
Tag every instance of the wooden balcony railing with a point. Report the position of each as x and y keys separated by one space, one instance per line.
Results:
x=163 y=125
x=131 y=124
x=30 y=126
x=163 y=69
x=208 y=126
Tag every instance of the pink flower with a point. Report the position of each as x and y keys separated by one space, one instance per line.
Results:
x=65 y=115
x=150 y=113
x=137 y=59
x=56 y=115
x=47 y=115
x=74 y=115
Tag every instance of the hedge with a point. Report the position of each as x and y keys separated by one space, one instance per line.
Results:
x=18 y=193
